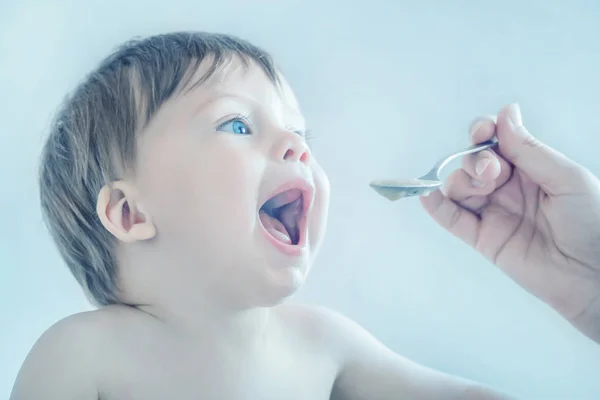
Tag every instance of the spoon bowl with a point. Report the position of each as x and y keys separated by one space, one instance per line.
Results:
x=395 y=189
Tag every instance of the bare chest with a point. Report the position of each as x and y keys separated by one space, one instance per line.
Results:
x=277 y=374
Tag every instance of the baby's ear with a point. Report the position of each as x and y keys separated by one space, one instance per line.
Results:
x=121 y=215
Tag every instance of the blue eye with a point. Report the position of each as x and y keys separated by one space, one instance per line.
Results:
x=236 y=125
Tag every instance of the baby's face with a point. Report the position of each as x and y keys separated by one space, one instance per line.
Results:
x=209 y=167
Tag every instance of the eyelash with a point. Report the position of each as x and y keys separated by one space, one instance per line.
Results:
x=307 y=134
x=245 y=118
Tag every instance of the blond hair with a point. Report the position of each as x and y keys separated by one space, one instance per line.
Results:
x=93 y=140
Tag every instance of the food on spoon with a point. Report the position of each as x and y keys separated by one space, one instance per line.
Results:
x=398 y=188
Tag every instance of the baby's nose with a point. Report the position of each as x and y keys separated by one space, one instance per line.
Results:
x=292 y=150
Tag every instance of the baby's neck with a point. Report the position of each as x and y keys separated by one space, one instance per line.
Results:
x=199 y=311
x=212 y=323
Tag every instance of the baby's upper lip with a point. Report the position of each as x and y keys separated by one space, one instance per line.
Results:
x=305 y=186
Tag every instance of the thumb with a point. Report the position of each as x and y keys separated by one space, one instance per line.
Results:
x=553 y=171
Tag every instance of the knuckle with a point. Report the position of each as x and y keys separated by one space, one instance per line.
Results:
x=531 y=141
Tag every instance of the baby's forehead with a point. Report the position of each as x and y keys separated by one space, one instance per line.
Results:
x=245 y=79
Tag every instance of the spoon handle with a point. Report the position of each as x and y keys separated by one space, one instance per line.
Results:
x=435 y=171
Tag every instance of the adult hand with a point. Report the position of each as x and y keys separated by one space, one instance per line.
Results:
x=531 y=211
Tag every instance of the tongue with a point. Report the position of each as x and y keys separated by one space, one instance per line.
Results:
x=274 y=227
x=289 y=215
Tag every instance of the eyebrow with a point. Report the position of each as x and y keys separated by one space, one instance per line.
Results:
x=235 y=96
x=213 y=99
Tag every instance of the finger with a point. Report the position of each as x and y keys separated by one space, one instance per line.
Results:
x=467 y=192
x=482 y=129
x=550 y=169
x=459 y=221
x=460 y=186
x=498 y=170
x=483 y=166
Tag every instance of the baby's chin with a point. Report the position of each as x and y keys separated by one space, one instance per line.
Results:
x=280 y=285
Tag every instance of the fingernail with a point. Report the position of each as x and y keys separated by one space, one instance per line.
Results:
x=475 y=127
x=478 y=183
x=514 y=114
x=481 y=165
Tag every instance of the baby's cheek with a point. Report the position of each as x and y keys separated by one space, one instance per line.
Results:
x=321 y=183
x=319 y=213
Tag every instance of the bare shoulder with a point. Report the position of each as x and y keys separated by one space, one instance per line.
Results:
x=338 y=332
x=368 y=369
x=321 y=326
x=319 y=320
x=67 y=360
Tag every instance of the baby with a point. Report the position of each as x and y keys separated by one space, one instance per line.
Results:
x=181 y=192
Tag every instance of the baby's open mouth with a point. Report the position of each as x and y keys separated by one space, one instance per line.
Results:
x=281 y=214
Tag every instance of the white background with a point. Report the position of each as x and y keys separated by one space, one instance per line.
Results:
x=387 y=87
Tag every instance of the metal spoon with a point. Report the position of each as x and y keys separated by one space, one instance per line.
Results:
x=423 y=186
